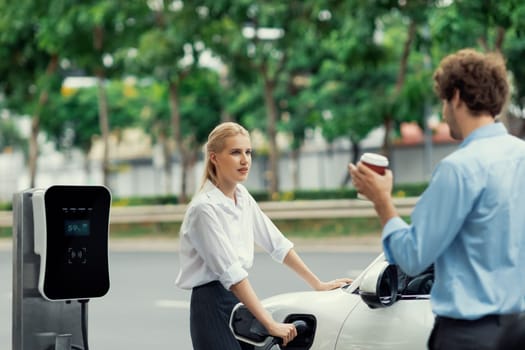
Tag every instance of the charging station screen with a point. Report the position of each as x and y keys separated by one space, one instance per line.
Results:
x=76 y=227
x=77 y=220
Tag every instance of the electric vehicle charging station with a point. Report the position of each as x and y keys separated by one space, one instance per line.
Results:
x=60 y=261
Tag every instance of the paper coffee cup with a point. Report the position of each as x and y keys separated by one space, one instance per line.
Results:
x=376 y=162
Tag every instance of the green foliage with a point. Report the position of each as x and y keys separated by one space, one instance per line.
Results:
x=400 y=190
x=6 y=206
x=6 y=232
x=73 y=119
x=334 y=65
x=515 y=51
x=200 y=100
x=150 y=200
x=320 y=228
x=23 y=63
x=10 y=136
x=490 y=26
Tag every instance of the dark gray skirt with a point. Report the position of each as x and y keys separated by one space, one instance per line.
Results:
x=210 y=309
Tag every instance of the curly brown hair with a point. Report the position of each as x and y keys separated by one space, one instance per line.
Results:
x=480 y=78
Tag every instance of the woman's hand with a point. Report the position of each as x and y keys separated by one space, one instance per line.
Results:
x=285 y=331
x=337 y=283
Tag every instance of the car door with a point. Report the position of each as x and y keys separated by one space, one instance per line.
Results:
x=404 y=324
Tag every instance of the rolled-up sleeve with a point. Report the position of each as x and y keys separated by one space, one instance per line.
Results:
x=268 y=236
x=393 y=225
x=436 y=220
x=234 y=274
x=214 y=246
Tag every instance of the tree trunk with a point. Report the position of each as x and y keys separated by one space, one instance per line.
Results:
x=356 y=152
x=388 y=125
x=271 y=130
x=498 y=46
x=388 y=122
x=192 y=160
x=225 y=86
x=103 y=114
x=103 y=119
x=500 y=37
x=35 y=122
x=33 y=149
x=295 y=168
x=176 y=132
x=167 y=165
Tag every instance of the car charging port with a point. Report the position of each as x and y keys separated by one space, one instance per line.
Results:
x=248 y=329
x=305 y=325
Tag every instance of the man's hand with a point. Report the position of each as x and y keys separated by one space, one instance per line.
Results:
x=369 y=183
x=377 y=188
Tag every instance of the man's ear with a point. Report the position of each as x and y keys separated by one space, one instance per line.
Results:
x=456 y=99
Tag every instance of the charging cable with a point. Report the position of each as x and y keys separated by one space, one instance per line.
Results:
x=83 y=303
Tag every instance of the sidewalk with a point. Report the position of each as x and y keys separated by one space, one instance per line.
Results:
x=156 y=244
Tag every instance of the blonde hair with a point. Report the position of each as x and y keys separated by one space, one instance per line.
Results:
x=215 y=144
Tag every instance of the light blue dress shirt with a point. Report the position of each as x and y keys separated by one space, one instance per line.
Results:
x=470 y=222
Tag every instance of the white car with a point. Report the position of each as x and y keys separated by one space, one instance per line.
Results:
x=382 y=309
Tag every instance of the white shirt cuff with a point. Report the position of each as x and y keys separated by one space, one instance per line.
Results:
x=280 y=253
x=234 y=274
x=392 y=225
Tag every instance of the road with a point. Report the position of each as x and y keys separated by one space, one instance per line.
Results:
x=145 y=310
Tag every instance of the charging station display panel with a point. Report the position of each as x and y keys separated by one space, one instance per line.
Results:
x=76 y=243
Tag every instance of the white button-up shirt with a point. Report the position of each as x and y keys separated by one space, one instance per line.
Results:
x=217 y=238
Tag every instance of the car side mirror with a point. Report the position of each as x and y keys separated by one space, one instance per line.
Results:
x=378 y=287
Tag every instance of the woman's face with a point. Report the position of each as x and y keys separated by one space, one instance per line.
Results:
x=233 y=162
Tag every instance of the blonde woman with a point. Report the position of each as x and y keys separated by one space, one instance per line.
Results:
x=217 y=237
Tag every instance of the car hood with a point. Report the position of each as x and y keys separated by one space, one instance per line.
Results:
x=330 y=309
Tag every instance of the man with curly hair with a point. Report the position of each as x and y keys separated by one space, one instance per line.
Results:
x=470 y=221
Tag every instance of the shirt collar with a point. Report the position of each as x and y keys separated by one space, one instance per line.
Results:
x=491 y=130
x=216 y=195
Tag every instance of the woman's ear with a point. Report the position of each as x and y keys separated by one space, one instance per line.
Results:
x=213 y=158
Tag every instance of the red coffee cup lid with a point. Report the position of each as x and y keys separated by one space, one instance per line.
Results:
x=374 y=159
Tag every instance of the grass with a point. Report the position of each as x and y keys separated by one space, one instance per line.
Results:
x=319 y=228
x=164 y=229
x=308 y=228
x=293 y=228
x=5 y=232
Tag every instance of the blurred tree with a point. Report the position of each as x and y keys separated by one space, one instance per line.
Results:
x=201 y=106
x=296 y=94
x=415 y=15
x=257 y=42
x=86 y=37
x=490 y=26
x=10 y=136
x=352 y=79
x=75 y=119
x=346 y=66
x=28 y=71
x=169 y=50
x=200 y=110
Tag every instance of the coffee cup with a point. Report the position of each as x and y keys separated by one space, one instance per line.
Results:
x=376 y=162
